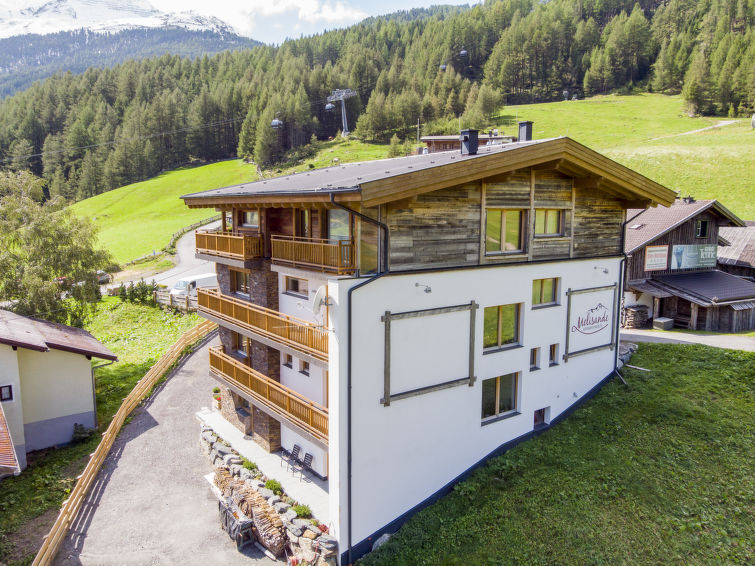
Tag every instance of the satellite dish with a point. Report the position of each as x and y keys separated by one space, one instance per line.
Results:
x=320 y=300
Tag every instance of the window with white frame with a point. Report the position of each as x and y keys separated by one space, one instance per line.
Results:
x=499 y=395
x=701 y=228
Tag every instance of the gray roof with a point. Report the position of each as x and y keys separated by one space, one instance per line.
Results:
x=41 y=335
x=709 y=287
x=741 y=251
x=645 y=226
x=349 y=177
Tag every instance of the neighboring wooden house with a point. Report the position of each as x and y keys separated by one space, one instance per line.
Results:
x=671 y=267
x=736 y=251
x=453 y=142
x=46 y=382
x=404 y=319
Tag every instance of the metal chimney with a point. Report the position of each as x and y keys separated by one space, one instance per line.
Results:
x=468 y=142
x=525 y=131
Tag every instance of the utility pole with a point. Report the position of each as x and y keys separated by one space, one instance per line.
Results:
x=342 y=94
x=417 y=131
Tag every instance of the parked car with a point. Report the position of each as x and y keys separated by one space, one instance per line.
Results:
x=103 y=277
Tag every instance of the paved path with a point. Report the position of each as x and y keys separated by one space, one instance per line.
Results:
x=720 y=124
x=731 y=341
x=150 y=504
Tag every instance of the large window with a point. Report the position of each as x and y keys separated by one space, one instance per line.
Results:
x=503 y=231
x=549 y=222
x=241 y=345
x=338 y=225
x=545 y=291
x=501 y=326
x=250 y=219
x=240 y=282
x=499 y=395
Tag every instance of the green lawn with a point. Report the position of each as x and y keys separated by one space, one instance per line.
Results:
x=717 y=163
x=342 y=150
x=136 y=219
x=659 y=472
x=138 y=335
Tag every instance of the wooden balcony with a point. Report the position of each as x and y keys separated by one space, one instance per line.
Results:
x=329 y=256
x=237 y=246
x=296 y=333
x=284 y=402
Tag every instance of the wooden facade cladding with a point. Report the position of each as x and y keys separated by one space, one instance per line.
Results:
x=597 y=224
x=681 y=235
x=285 y=402
x=435 y=229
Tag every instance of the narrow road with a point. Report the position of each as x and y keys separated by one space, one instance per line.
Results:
x=730 y=341
x=150 y=504
x=186 y=264
x=720 y=124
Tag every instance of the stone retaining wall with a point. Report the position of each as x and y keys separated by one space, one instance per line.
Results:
x=304 y=537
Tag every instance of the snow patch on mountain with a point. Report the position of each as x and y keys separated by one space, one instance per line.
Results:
x=51 y=16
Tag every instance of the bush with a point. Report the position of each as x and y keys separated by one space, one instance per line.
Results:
x=248 y=464
x=274 y=486
x=302 y=511
x=216 y=389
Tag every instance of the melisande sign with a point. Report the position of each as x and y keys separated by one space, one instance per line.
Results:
x=690 y=257
x=591 y=316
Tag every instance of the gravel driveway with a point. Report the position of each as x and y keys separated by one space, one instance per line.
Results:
x=150 y=504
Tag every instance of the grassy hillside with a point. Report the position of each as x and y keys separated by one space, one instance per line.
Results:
x=659 y=472
x=641 y=132
x=138 y=218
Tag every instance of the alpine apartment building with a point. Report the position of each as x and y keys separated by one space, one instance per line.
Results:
x=404 y=319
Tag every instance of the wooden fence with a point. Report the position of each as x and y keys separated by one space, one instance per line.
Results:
x=84 y=482
x=185 y=303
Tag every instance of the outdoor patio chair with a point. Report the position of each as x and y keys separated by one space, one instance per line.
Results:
x=292 y=457
x=305 y=465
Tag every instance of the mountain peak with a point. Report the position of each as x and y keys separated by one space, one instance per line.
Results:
x=50 y=16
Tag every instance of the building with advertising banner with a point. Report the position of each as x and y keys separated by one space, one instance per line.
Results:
x=403 y=320
x=671 y=268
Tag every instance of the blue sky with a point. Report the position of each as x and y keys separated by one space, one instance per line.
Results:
x=272 y=21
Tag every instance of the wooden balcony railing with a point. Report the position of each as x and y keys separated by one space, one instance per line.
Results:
x=332 y=256
x=234 y=245
x=282 y=328
x=285 y=402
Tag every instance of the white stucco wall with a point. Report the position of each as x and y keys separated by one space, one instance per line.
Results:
x=403 y=453
x=14 y=414
x=55 y=385
x=314 y=385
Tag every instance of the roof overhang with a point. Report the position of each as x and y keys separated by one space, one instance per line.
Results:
x=271 y=200
x=563 y=154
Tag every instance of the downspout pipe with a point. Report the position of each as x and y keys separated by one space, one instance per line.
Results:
x=349 y=294
x=620 y=294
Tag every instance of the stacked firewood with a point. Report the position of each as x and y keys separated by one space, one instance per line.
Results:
x=267 y=522
x=636 y=316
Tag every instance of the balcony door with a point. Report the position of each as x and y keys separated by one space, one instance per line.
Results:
x=304 y=223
